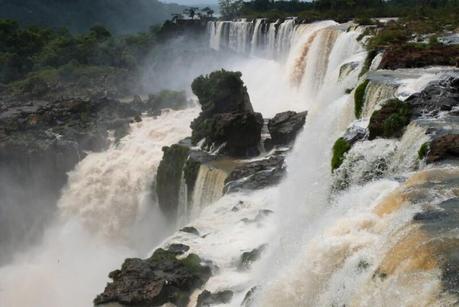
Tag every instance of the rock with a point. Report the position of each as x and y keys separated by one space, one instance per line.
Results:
x=240 y=132
x=249 y=297
x=443 y=147
x=227 y=115
x=435 y=98
x=165 y=99
x=256 y=175
x=390 y=120
x=190 y=229
x=168 y=178
x=247 y=258
x=178 y=248
x=155 y=281
x=285 y=126
x=340 y=148
x=407 y=56
x=207 y=298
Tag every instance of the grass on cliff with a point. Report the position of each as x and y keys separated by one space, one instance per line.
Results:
x=340 y=148
x=359 y=98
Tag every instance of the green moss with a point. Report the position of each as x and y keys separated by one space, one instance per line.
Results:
x=423 y=150
x=390 y=120
x=340 y=147
x=359 y=96
x=190 y=173
x=366 y=65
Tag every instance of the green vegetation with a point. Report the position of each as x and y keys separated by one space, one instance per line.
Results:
x=50 y=53
x=390 y=120
x=168 y=178
x=359 y=98
x=340 y=147
x=119 y=16
x=343 y=10
x=423 y=150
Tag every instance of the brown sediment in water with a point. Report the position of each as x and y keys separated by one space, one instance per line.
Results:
x=414 y=252
x=391 y=203
x=300 y=63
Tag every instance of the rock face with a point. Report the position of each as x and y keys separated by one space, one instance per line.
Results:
x=155 y=281
x=168 y=178
x=227 y=115
x=256 y=175
x=247 y=258
x=390 y=120
x=443 y=147
x=156 y=102
x=285 y=126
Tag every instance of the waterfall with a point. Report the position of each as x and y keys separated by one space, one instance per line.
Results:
x=208 y=188
x=376 y=93
x=255 y=42
x=105 y=215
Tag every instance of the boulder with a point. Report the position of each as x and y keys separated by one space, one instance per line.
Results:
x=155 y=281
x=256 y=174
x=247 y=258
x=437 y=97
x=285 y=126
x=190 y=229
x=206 y=298
x=443 y=147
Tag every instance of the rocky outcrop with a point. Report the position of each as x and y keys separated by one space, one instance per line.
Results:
x=206 y=298
x=256 y=174
x=169 y=177
x=437 y=97
x=285 y=126
x=227 y=118
x=162 y=100
x=408 y=56
x=247 y=258
x=390 y=120
x=155 y=281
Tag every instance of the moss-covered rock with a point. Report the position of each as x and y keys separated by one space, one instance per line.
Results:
x=168 y=178
x=359 y=98
x=423 y=150
x=390 y=120
x=190 y=173
x=340 y=147
x=155 y=281
x=366 y=65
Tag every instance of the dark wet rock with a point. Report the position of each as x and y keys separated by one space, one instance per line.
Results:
x=256 y=175
x=435 y=98
x=261 y=215
x=285 y=126
x=247 y=258
x=178 y=248
x=240 y=132
x=155 y=281
x=249 y=297
x=206 y=298
x=227 y=115
x=168 y=178
x=390 y=120
x=443 y=147
x=190 y=229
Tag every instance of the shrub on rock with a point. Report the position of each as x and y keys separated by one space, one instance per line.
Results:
x=390 y=120
x=340 y=147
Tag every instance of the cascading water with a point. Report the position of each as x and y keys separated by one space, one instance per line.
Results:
x=353 y=248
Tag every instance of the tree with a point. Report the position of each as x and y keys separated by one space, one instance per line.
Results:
x=208 y=11
x=230 y=9
x=191 y=11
